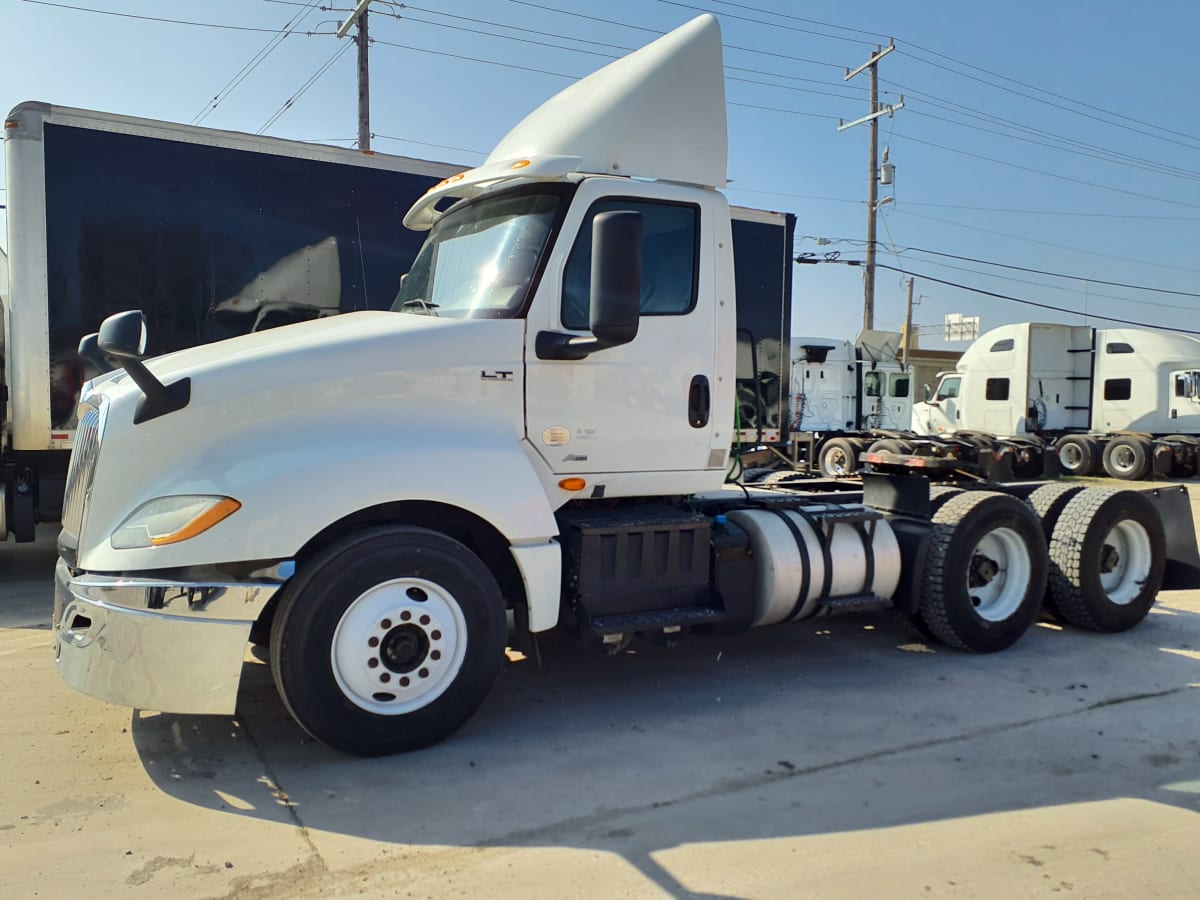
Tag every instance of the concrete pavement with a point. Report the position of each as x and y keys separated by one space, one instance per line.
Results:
x=840 y=758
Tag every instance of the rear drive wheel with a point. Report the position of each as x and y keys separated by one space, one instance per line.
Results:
x=1107 y=559
x=986 y=568
x=1048 y=502
x=1127 y=458
x=388 y=640
x=1077 y=454
x=839 y=458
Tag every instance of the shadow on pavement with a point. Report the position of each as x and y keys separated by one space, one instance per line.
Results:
x=838 y=725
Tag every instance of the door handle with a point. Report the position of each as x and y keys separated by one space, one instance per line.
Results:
x=699 y=402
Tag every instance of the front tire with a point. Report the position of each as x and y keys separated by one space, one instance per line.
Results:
x=839 y=458
x=986 y=572
x=388 y=640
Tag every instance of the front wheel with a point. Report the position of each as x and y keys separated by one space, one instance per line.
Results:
x=1077 y=454
x=388 y=641
x=839 y=458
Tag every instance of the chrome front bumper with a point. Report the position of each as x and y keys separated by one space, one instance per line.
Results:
x=154 y=644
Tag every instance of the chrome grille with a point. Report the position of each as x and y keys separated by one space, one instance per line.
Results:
x=83 y=467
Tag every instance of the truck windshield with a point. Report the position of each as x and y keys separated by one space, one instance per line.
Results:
x=478 y=261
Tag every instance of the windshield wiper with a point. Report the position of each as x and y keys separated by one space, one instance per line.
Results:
x=421 y=303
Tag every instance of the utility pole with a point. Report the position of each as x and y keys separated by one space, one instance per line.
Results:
x=872 y=173
x=907 y=327
x=359 y=16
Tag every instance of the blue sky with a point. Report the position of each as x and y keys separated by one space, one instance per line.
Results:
x=1041 y=135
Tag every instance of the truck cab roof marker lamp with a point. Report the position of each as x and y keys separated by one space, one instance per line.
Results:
x=170 y=520
x=465 y=185
x=123 y=337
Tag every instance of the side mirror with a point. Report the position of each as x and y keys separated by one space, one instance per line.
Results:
x=123 y=335
x=89 y=351
x=616 y=290
x=928 y=393
x=616 y=277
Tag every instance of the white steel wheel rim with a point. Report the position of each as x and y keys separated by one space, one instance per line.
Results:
x=836 y=461
x=1125 y=561
x=1071 y=456
x=399 y=646
x=1123 y=458
x=1001 y=562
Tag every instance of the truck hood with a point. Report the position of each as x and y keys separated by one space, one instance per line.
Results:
x=353 y=351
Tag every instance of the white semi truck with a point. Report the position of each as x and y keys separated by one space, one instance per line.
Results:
x=535 y=436
x=210 y=233
x=214 y=234
x=1123 y=400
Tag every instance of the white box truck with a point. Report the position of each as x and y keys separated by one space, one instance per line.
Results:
x=210 y=233
x=536 y=435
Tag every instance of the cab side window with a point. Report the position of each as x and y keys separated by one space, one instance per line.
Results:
x=670 y=238
x=948 y=389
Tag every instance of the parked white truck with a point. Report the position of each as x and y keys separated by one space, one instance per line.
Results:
x=849 y=397
x=1124 y=400
x=535 y=436
x=210 y=233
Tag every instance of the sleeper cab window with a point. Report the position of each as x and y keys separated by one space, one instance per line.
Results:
x=670 y=242
x=1118 y=389
x=996 y=389
x=1005 y=344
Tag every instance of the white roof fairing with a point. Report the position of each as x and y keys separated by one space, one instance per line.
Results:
x=657 y=113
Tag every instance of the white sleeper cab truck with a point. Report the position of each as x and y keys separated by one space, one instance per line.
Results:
x=1124 y=401
x=535 y=436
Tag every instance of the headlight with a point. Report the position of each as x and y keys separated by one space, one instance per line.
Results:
x=169 y=520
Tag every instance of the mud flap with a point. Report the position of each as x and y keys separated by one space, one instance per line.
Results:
x=1183 y=559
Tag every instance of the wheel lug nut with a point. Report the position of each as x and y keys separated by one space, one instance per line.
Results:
x=435 y=655
x=373 y=663
x=385 y=677
x=424 y=673
x=373 y=642
x=425 y=620
x=385 y=624
x=405 y=681
x=435 y=635
x=405 y=616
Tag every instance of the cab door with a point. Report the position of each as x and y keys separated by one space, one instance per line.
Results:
x=645 y=406
x=940 y=415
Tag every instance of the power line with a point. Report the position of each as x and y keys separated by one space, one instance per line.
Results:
x=1009 y=297
x=388 y=137
x=108 y=12
x=623 y=49
x=1109 y=156
x=836 y=37
x=1019 y=237
x=877 y=37
x=1138 y=131
x=287 y=104
x=1121 y=284
x=1082 y=181
x=244 y=72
